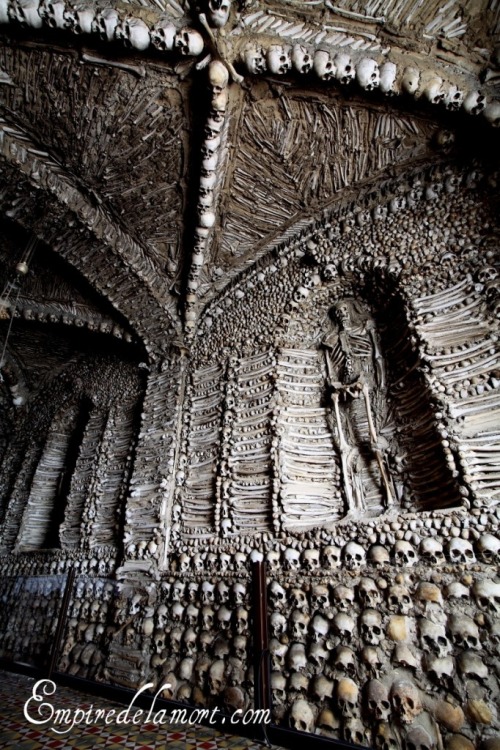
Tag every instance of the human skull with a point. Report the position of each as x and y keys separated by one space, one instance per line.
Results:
x=324 y=66
x=353 y=731
x=491 y=114
x=410 y=80
x=218 y=12
x=277 y=595
x=25 y=12
x=292 y=559
x=368 y=74
x=320 y=598
x=279 y=59
x=238 y=593
x=453 y=98
x=79 y=19
x=318 y=654
x=354 y=555
x=322 y=689
x=371 y=627
x=474 y=102
x=384 y=737
x=133 y=33
x=278 y=653
x=464 y=632
x=460 y=551
x=399 y=599
x=105 y=23
x=310 y=560
x=216 y=677
x=52 y=12
x=331 y=556
x=221 y=592
x=404 y=554
x=177 y=612
x=471 y=666
x=299 y=623
x=419 y=739
x=254 y=59
x=319 y=628
x=273 y=560
x=343 y=626
x=488 y=546
x=344 y=69
x=368 y=592
x=432 y=88
x=343 y=598
x=347 y=695
x=440 y=669
x=188 y=42
x=487 y=596
x=378 y=556
x=163 y=35
x=343 y=660
x=388 y=72
x=241 y=620
x=302 y=716
x=431 y=551
x=278 y=688
x=301 y=59
x=207 y=617
x=406 y=701
x=377 y=700
x=207 y=592
x=296 y=657
x=298 y=599
x=433 y=637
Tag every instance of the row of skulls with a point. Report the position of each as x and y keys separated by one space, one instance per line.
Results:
x=368 y=593
x=132 y=32
x=352 y=556
x=326 y=65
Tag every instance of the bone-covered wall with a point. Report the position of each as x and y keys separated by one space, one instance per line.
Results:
x=260 y=322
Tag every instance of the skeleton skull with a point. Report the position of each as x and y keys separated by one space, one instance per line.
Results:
x=343 y=626
x=347 y=694
x=25 y=12
x=299 y=623
x=292 y=559
x=296 y=657
x=411 y=80
x=218 y=12
x=354 y=555
x=344 y=69
x=433 y=637
x=163 y=35
x=378 y=556
x=388 y=72
x=105 y=24
x=460 y=552
x=188 y=42
x=52 y=12
x=318 y=655
x=323 y=65
x=399 y=599
x=474 y=102
x=331 y=556
x=310 y=559
x=319 y=628
x=371 y=627
x=404 y=554
x=301 y=59
x=320 y=598
x=277 y=596
x=254 y=59
x=406 y=701
x=279 y=59
x=487 y=596
x=488 y=546
x=377 y=700
x=343 y=598
x=368 y=593
x=133 y=33
x=302 y=716
x=419 y=739
x=431 y=551
x=278 y=653
x=367 y=74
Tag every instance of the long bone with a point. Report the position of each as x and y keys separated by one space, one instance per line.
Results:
x=346 y=453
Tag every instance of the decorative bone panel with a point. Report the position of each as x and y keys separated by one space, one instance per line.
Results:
x=308 y=464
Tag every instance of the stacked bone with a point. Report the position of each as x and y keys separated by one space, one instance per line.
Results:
x=308 y=465
x=196 y=483
x=249 y=463
x=218 y=78
x=462 y=349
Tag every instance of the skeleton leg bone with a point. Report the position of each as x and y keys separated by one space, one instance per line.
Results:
x=376 y=449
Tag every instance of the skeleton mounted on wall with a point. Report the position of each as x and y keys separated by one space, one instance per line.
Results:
x=356 y=374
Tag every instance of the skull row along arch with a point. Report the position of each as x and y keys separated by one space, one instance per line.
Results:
x=278 y=59
x=352 y=556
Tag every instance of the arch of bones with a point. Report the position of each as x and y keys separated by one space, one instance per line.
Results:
x=290 y=210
